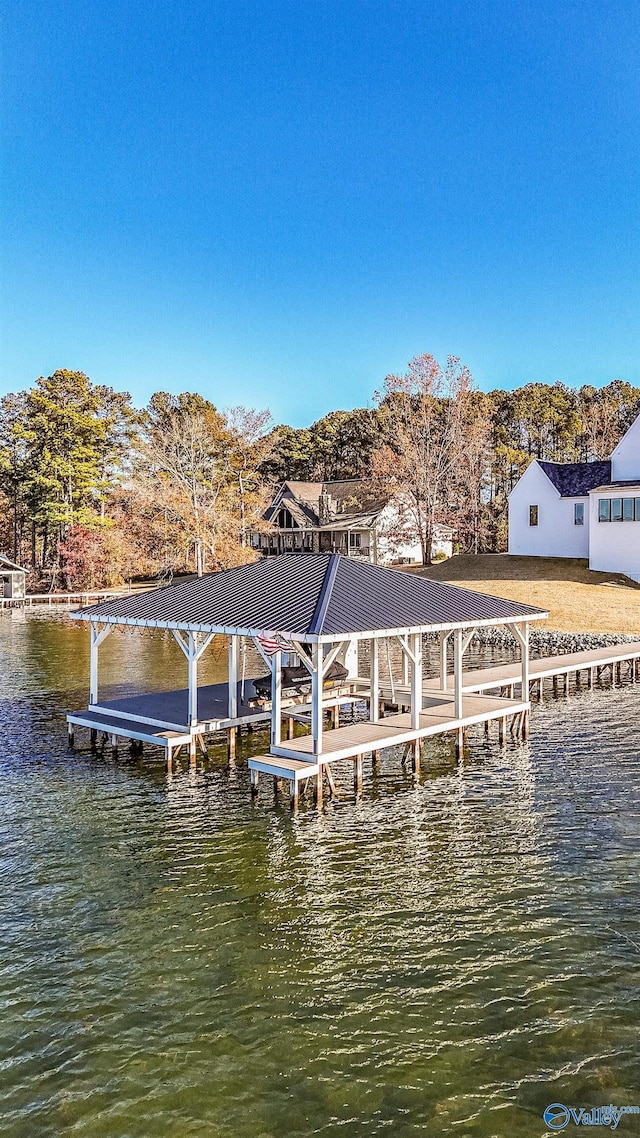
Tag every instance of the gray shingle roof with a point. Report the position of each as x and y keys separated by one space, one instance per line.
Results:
x=576 y=479
x=308 y=595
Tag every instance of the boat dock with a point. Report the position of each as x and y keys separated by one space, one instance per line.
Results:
x=588 y=665
x=308 y=615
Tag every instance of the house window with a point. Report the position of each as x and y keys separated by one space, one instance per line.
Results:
x=285 y=520
x=355 y=540
x=578 y=514
x=618 y=509
x=533 y=515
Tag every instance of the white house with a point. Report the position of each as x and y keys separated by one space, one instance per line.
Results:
x=569 y=509
x=12 y=580
x=341 y=517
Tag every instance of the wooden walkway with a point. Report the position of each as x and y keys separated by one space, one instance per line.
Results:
x=507 y=677
x=591 y=662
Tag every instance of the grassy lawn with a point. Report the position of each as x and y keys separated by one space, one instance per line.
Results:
x=578 y=599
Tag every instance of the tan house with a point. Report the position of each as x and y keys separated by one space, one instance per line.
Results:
x=341 y=517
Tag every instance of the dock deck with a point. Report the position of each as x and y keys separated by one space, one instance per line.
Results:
x=509 y=675
x=437 y=717
x=546 y=667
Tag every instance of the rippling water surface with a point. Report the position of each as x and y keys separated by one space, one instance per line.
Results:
x=443 y=956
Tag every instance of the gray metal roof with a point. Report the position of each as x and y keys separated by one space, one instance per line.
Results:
x=576 y=479
x=308 y=596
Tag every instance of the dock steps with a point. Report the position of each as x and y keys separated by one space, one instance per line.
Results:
x=118 y=728
x=279 y=767
x=295 y=771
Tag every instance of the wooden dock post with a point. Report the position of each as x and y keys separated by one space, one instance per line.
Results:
x=93 y=738
x=332 y=782
x=415 y=756
x=231 y=742
x=254 y=783
x=357 y=774
x=319 y=780
x=375 y=760
x=502 y=727
x=70 y=733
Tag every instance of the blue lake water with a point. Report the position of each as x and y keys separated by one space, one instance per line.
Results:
x=446 y=955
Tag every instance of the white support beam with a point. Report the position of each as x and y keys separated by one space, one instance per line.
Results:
x=202 y=645
x=97 y=636
x=351 y=658
x=416 y=680
x=232 y=707
x=458 y=651
x=193 y=649
x=405 y=642
x=405 y=660
x=330 y=659
x=444 y=662
x=522 y=636
x=276 y=699
x=261 y=651
x=192 y=662
x=181 y=641
x=374 y=685
x=467 y=638
x=316 y=699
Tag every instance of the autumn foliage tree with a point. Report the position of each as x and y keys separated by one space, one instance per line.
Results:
x=427 y=419
x=196 y=474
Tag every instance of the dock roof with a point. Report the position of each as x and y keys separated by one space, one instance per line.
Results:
x=309 y=597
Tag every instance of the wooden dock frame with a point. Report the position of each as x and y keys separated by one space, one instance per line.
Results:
x=335 y=604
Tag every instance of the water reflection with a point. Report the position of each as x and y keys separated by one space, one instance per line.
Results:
x=447 y=954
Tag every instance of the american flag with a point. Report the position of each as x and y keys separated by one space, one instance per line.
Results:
x=271 y=645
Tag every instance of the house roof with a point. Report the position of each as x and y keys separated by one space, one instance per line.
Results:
x=576 y=479
x=5 y=563
x=344 y=497
x=308 y=597
x=352 y=521
x=620 y=485
x=301 y=512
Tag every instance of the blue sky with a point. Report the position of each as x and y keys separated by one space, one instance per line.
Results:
x=277 y=203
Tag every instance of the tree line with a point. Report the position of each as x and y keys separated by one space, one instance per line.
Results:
x=94 y=491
